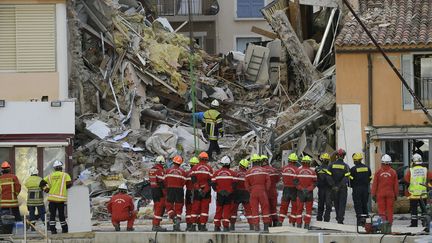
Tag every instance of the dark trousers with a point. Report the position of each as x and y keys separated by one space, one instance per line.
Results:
x=12 y=211
x=324 y=202
x=213 y=147
x=414 y=203
x=340 y=200
x=59 y=207
x=41 y=213
x=361 y=198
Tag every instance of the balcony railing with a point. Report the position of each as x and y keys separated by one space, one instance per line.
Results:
x=181 y=8
x=425 y=92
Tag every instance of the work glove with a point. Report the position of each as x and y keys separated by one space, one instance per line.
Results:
x=374 y=198
x=224 y=193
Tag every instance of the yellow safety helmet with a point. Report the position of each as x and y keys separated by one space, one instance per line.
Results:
x=357 y=156
x=244 y=163
x=194 y=160
x=325 y=156
x=306 y=159
x=293 y=157
x=255 y=157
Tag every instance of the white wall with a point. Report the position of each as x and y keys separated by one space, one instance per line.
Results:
x=61 y=49
x=37 y=118
x=349 y=132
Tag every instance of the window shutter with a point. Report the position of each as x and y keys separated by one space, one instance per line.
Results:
x=35 y=38
x=7 y=38
x=257 y=5
x=244 y=9
x=408 y=74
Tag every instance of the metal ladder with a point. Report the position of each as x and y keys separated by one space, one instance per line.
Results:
x=254 y=66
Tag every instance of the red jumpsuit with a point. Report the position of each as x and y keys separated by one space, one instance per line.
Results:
x=257 y=182
x=188 y=198
x=307 y=179
x=289 y=174
x=175 y=179
x=223 y=181
x=156 y=175
x=272 y=193
x=122 y=209
x=241 y=195
x=201 y=178
x=385 y=188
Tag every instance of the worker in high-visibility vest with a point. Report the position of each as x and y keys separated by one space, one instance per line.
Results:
x=56 y=185
x=35 y=198
x=213 y=123
x=417 y=177
x=10 y=188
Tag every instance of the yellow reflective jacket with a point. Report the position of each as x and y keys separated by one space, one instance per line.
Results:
x=34 y=194
x=57 y=186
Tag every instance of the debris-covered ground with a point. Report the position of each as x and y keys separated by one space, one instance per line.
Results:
x=132 y=76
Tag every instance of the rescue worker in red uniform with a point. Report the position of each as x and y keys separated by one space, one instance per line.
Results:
x=272 y=193
x=241 y=195
x=189 y=196
x=257 y=182
x=324 y=184
x=385 y=188
x=307 y=180
x=289 y=195
x=10 y=188
x=156 y=175
x=121 y=208
x=175 y=180
x=224 y=182
x=201 y=176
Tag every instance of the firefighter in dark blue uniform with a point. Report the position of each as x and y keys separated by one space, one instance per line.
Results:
x=325 y=184
x=361 y=177
x=341 y=175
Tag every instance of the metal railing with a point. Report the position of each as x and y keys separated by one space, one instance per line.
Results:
x=181 y=8
x=425 y=92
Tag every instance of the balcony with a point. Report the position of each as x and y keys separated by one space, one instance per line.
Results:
x=180 y=7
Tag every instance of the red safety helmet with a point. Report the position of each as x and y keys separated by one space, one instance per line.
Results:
x=5 y=165
x=340 y=153
x=177 y=159
x=203 y=156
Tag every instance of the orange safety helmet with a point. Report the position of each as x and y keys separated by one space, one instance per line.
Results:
x=203 y=156
x=177 y=159
x=5 y=165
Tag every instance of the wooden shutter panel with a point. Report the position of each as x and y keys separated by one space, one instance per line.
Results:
x=7 y=38
x=408 y=74
x=35 y=38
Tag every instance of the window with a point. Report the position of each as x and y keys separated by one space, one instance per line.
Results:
x=25 y=158
x=49 y=156
x=249 y=8
x=241 y=42
x=27 y=42
x=4 y=154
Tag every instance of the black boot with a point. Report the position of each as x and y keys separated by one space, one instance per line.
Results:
x=251 y=227
x=257 y=227
x=203 y=228
x=307 y=226
x=277 y=224
x=188 y=227
x=117 y=227
x=299 y=225
x=266 y=227
x=130 y=229
x=414 y=223
x=176 y=226
x=217 y=229
x=192 y=228
x=158 y=228
x=232 y=227
x=226 y=229
x=65 y=229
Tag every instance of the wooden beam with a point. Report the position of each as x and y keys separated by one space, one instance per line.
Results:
x=289 y=229
x=335 y=226
x=263 y=32
x=94 y=33
x=295 y=18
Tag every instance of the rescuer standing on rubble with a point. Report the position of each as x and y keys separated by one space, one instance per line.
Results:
x=307 y=179
x=35 y=198
x=361 y=176
x=213 y=124
x=201 y=176
x=241 y=195
x=289 y=174
x=56 y=185
x=156 y=175
x=121 y=207
x=418 y=178
x=224 y=182
x=385 y=188
x=10 y=188
x=175 y=180
x=341 y=175
x=257 y=182
x=325 y=183
x=189 y=196
x=272 y=193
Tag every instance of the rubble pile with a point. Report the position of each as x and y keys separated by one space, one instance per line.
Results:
x=132 y=77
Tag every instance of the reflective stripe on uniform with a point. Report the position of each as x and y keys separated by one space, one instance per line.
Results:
x=337 y=166
x=362 y=169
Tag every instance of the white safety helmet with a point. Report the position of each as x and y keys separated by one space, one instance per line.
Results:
x=34 y=171
x=226 y=160
x=386 y=159
x=417 y=159
x=57 y=163
x=122 y=186
x=215 y=103
x=160 y=160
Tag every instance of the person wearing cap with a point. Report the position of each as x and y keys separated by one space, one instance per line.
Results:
x=35 y=198
x=175 y=180
x=190 y=226
x=341 y=175
x=213 y=127
x=241 y=195
x=257 y=182
x=417 y=177
x=201 y=176
x=272 y=193
x=324 y=184
x=56 y=185
x=361 y=177
x=10 y=188
x=289 y=194
x=224 y=182
x=307 y=179
x=156 y=176
x=121 y=207
x=385 y=188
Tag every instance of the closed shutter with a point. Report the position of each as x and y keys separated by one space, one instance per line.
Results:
x=35 y=38
x=7 y=38
x=249 y=8
x=408 y=74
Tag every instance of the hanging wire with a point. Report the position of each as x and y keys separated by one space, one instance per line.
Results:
x=191 y=75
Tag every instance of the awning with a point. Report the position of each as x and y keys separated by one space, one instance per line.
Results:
x=390 y=133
